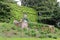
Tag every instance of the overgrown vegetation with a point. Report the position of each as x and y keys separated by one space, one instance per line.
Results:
x=10 y=11
x=10 y=30
x=18 y=12
x=47 y=10
x=5 y=13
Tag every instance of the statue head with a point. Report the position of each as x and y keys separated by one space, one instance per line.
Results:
x=25 y=15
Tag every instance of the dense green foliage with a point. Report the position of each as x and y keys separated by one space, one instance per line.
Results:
x=5 y=13
x=18 y=12
x=48 y=11
x=10 y=30
x=10 y=11
x=45 y=8
x=6 y=0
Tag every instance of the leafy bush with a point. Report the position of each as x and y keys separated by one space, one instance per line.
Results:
x=7 y=26
x=31 y=32
x=5 y=14
x=10 y=11
x=36 y=25
x=7 y=29
x=18 y=12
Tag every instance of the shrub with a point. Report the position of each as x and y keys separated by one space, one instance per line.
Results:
x=5 y=14
x=36 y=25
x=55 y=37
x=18 y=12
x=32 y=33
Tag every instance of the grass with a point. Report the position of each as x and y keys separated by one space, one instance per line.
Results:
x=10 y=30
x=1 y=38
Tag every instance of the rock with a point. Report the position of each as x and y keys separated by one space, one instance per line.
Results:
x=51 y=28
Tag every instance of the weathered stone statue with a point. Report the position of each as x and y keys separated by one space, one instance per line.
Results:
x=24 y=21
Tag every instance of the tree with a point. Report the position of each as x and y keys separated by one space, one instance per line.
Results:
x=42 y=6
x=11 y=1
x=46 y=7
x=5 y=14
x=47 y=10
